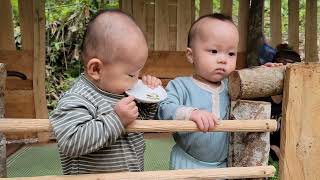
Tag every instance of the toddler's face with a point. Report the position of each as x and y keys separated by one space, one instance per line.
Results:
x=121 y=75
x=214 y=50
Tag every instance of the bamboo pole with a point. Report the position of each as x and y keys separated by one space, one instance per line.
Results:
x=225 y=173
x=11 y=126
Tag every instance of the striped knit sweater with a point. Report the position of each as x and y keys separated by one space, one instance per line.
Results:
x=90 y=135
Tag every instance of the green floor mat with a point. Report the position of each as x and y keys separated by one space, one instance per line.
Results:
x=44 y=160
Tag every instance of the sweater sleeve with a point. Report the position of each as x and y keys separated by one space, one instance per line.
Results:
x=79 y=130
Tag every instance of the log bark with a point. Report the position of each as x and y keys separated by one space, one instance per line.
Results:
x=3 y=154
x=256 y=82
x=249 y=149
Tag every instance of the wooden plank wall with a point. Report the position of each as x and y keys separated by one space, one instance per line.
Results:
x=300 y=145
x=22 y=96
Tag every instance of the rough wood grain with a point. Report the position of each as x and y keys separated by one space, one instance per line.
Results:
x=24 y=126
x=227 y=173
x=3 y=154
x=249 y=149
x=300 y=145
x=256 y=82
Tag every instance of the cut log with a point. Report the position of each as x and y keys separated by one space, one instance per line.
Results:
x=249 y=149
x=256 y=82
x=3 y=154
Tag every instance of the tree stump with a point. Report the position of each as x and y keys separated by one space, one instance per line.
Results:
x=249 y=149
x=256 y=82
x=3 y=154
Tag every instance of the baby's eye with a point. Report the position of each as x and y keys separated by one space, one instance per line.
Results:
x=213 y=51
x=232 y=54
x=131 y=75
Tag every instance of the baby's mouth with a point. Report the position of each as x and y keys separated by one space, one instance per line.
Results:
x=220 y=70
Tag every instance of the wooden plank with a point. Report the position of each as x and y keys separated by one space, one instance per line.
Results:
x=18 y=84
x=21 y=61
x=150 y=23
x=3 y=154
x=26 y=23
x=224 y=173
x=172 y=8
x=19 y=104
x=226 y=7
x=311 y=47
x=139 y=13
x=243 y=30
x=7 y=41
x=161 y=38
x=183 y=23
x=293 y=24
x=300 y=145
x=167 y=64
x=22 y=125
x=126 y=6
x=275 y=22
x=205 y=7
x=40 y=101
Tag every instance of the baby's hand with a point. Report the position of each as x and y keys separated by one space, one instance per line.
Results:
x=151 y=81
x=127 y=110
x=272 y=64
x=205 y=120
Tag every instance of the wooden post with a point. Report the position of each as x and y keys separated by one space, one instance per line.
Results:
x=3 y=154
x=300 y=145
x=275 y=20
x=256 y=82
x=255 y=31
x=161 y=38
x=249 y=149
x=205 y=7
x=184 y=20
x=226 y=7
x=243 y=30
x=311 y=47
x=6 y=33
x=293 y=24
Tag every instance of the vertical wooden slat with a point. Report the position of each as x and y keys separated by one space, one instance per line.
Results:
x=126 y=6
x=172 y=8
x=243 y=31
x=150 y=19
x=6 y=33
x=161 y=38
x=138 y=11
x=183 y=24
x=205 y=7
x=226 y=7
x=293 y=24
x=193 y=11
x=311 y=48
x=26 y=23
x=39 y=59
x=275 y=22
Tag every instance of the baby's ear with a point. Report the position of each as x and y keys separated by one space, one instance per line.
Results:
x=94 y=68
x=189 y=55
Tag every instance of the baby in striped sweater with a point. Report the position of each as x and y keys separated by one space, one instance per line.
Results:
x=90 y=119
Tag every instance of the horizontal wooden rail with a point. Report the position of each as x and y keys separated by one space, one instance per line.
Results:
x=226 y=173
x=10 y=125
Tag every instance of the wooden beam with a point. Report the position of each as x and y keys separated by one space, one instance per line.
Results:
x=19 y=125
x=311 y=47
x=224 y=173
x=167 y=64
x=150 y=23
x=161 y=39
x=39 y=92
x=226 y=7
x=275 y=22
x=205 y=7
x=293 y=24
x=243 y=30
x=173 y=14
x=27 y=23
x=3 y=154
x=183 y=23
x=256 y=82
x=300 y=145
x=7 y=41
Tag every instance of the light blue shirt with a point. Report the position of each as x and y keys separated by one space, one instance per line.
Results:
x=210 y=147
